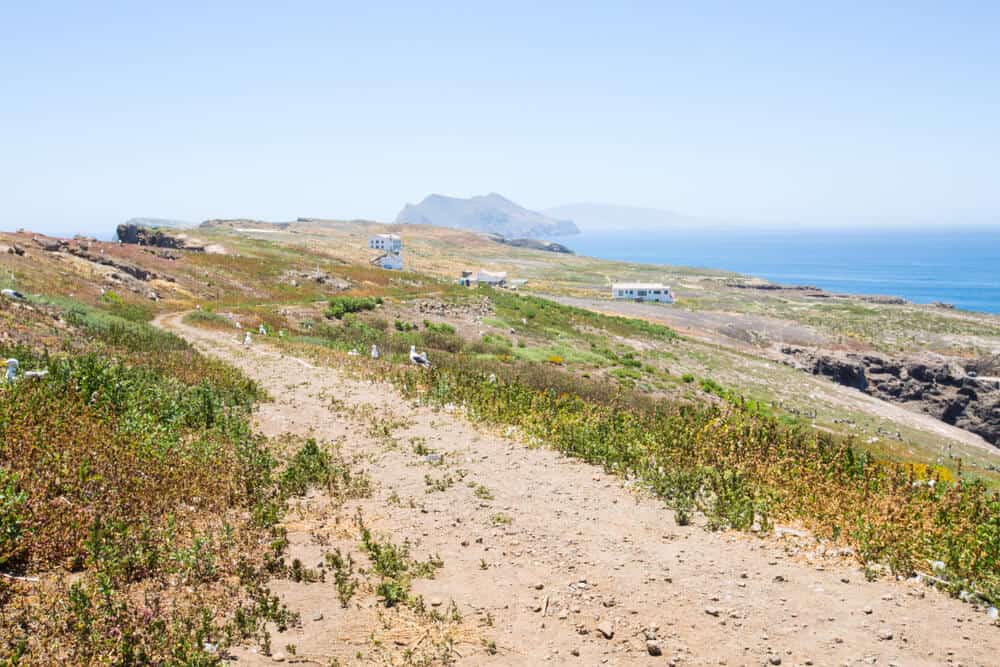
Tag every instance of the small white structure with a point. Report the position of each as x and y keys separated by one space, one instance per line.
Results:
x=392 y=261
x=642 y=292
x=386 y=243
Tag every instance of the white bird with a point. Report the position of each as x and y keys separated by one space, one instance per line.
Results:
x=375 y=353
x=354 y=352
x=419 y=359
x=13 y=365
x=262 y=330
x=492 y=379
x=12 y=294
x=246 y=339
x=239 y=326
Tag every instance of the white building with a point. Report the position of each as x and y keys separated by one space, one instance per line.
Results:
x=386 y=243
x=642 y=292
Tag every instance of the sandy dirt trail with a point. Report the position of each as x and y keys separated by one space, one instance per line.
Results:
x=581 y=549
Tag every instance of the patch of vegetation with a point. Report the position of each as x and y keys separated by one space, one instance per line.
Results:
x=127 y=310
x=208 y=318
x=395 y=568
x=131 y=465
x=342 y=305
x=343 y=575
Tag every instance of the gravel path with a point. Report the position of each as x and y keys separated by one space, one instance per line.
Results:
x=581 y=553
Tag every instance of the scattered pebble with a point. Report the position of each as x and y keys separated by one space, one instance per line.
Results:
x=606 y=628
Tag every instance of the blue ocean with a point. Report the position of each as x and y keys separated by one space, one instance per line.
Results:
x=960 y=266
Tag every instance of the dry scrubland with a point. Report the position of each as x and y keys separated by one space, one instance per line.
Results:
x=144 y=519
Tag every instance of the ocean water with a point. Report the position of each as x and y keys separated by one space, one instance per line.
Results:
x=960 y=266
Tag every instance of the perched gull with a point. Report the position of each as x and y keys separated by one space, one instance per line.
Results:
x=375 y=354
x=246 y=339
x=12 y=294
x=239 y=326
x=13 y=365
x=492 y=379
x=261 y=330
x=419 y=359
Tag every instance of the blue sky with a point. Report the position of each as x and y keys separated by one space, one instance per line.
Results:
x=784 y=111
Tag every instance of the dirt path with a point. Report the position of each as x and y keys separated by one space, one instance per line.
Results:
x=580 y=547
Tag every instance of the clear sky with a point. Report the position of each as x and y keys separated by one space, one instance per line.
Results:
x=750 y=110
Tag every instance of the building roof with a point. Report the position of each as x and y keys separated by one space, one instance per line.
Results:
x=639 y=286
x=391 y=237
x=490 y=275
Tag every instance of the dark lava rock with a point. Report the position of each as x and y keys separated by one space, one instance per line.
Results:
x=136 y=234
x=933 y=386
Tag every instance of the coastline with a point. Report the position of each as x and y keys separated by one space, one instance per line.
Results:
x=922 y=266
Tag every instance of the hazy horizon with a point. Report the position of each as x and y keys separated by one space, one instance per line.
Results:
x=775 y=113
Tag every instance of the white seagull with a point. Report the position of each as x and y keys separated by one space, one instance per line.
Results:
x=261 y=330
x=246 y=339
x=419 y=359
x=13 y=365
x=375 y=353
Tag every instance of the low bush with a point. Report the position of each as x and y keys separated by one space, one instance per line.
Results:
x=342 y=305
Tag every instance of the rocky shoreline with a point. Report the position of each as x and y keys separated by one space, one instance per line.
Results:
x=955 y=394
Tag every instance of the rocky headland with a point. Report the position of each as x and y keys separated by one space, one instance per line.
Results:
x=956 y=394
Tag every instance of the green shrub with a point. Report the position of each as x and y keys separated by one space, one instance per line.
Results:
x=12 y=515
x=342 y=305
x=133 y=312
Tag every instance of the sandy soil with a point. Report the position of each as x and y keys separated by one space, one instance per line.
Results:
x=581 y=549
